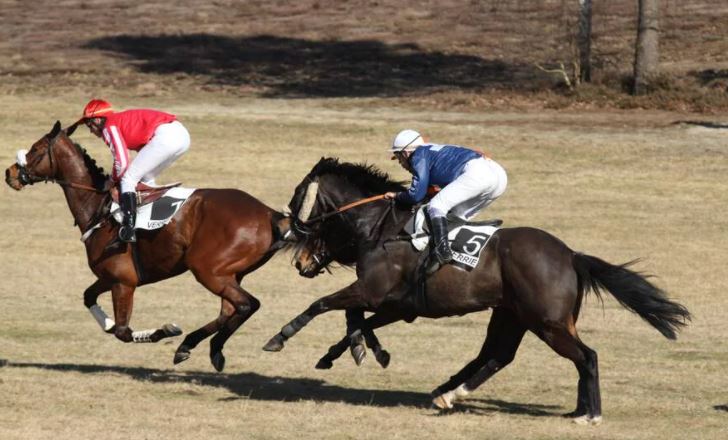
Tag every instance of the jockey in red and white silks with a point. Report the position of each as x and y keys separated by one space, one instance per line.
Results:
x=158 y=137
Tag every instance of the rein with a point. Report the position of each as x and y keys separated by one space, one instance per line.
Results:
x=345 y=208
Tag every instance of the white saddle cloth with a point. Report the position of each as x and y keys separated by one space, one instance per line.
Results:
x=158 y=213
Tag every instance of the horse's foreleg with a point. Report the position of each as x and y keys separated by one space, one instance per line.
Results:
x=90 y=295
x=348 y=297
x=108 y=325
x=123 y=300
x=354 y=324
x=379 y=319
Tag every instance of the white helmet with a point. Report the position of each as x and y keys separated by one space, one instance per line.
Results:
x=406 y=140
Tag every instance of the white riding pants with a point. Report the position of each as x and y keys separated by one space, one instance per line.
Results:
x=483 y=180
x=169 y=143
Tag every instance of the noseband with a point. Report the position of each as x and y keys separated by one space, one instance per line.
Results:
x=25 y=176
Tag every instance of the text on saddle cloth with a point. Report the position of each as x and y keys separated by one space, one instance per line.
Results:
x=467 y=241
x=160 y=212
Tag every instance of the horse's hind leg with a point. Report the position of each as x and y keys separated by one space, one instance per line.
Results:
x=504 y=335
x=562 y=338
x=235 y=302
x=230 y=326
x=194 y=338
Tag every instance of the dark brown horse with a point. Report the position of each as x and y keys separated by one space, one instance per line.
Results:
x=219 y=234
x=531 y=279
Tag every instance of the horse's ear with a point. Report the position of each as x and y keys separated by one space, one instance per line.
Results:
x=56 y=129
x=71 y=128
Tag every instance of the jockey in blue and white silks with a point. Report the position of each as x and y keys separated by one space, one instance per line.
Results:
x=469 y=181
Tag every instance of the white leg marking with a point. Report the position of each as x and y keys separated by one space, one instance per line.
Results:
x=102 y=318
x=460 y=392
x=445 y=400
x=142 y=335
x=588 y=420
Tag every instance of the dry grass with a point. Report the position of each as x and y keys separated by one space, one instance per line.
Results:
x=617 y=185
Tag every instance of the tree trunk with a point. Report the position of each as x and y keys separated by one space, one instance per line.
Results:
x=584 y=39
x=646 y=58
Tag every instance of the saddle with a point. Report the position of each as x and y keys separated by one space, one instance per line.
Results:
x=146 y=194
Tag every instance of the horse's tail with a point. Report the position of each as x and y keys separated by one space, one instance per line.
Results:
x=633 y=291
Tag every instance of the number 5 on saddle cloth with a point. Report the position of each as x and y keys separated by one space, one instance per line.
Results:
x=467 y=239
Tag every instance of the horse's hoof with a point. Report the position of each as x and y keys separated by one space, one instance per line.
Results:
x=218 y=361
x=275 y=344
x=442 y=402
x=383 y=358
x=324 y=364
x=181 y=355
x=124 y=334
x=171 y=330
x=358 y=352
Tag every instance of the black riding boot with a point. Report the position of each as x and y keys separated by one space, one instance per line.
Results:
x=440 y=244
x=128 y=202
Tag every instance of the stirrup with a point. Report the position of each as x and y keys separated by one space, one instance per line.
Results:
x=432 y=266
x=127 y=234
x=442 y=252
x=433 y=263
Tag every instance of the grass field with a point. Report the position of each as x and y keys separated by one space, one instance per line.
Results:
x=611 y=185
x=617 y=184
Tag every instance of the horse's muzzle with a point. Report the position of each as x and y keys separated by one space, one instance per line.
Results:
x=309 y=271
x=13 y=177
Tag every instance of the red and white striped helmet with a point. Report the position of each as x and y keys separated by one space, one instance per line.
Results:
x=96 y=108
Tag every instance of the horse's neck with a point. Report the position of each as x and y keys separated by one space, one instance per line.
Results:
x=381 y=222
x=83 y=203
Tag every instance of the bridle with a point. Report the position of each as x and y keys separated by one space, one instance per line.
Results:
x=26 y=177
x=323 y=256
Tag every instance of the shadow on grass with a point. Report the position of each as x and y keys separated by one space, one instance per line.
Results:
x=255 y=386
x=706 y=124
x=294 y=67
x=721 y=408
x=494 y=405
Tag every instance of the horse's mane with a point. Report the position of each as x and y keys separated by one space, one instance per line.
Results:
x=366 y=177
x=97 y=173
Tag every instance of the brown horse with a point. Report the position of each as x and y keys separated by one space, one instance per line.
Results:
x=219 y=234
x=531 y=280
